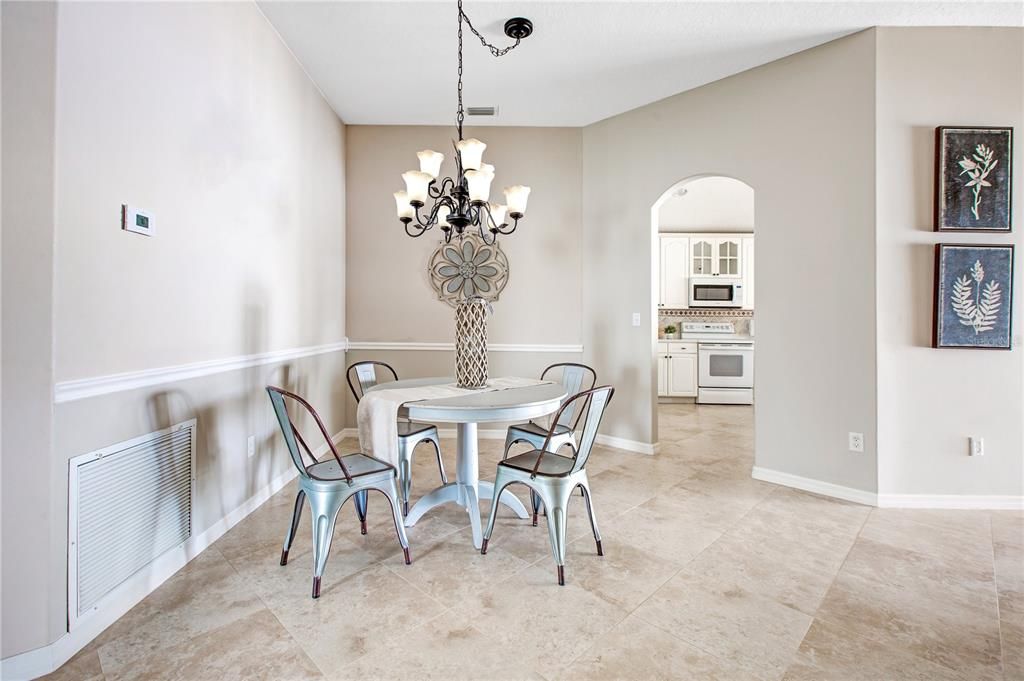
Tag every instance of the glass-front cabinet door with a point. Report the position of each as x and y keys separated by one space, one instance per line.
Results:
x=727 y=256
x=702 y=251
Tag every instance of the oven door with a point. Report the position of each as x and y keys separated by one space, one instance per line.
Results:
x=725 y=365
x=715 y=293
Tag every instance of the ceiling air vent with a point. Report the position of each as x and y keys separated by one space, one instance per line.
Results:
x=481 y=110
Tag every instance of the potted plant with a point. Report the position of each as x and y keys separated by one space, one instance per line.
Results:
x=670 y=331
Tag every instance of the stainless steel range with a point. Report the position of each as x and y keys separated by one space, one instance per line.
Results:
x=725 y=363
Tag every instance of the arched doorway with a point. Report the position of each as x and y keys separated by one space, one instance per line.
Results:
x=702 y=231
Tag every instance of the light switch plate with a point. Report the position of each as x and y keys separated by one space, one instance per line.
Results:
x=636 y=319
x=136 y=220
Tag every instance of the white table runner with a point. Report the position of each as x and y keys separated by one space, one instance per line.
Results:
x=377 y=415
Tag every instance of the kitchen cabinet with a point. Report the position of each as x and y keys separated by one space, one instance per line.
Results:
x=677 y=369
x=716 y=256
x=674 y=271
x=748 y=273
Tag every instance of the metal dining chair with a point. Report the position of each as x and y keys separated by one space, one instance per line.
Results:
x=553 y=477
x=410 y=433
x=575 y=378
x=327 y=485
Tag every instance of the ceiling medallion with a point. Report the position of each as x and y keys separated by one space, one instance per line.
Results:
x=460 y=203
x=471 y=268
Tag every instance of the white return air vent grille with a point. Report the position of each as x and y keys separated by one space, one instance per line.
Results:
x=128 y=504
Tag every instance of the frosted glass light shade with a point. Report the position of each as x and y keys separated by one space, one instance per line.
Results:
x=442 y=216
x=416 y=183
x=498 y=214
x=405 y=210
x=479 y=183
x=487 y=168
x=471 y=152
x=430 y=162
x=516 y=198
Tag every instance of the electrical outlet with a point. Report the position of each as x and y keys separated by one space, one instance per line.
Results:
x=977 y=446
x=252 y=446
x=856 y=442
x=636 y=319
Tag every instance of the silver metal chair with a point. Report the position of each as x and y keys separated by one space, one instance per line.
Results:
x=410 y=433
x=553 y=477
x=328 y=485
x=575 y=378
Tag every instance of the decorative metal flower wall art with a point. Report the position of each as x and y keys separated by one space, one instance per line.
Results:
x=468 y=268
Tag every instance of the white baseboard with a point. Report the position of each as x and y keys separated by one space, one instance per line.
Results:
x=991 y=502
x=499 y=434
x=816 y=486
x=628 y=445
x=41 y=661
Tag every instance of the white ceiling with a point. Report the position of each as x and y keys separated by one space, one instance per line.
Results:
x=394 y=62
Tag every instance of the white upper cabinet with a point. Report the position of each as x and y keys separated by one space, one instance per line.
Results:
x=684 y=256
x=674 y=271
x=728 y=256
x=748 y=273
x=716 y=256
x=703 y=263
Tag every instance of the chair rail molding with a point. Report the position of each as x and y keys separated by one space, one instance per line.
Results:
x=450 y=347
x=80 y=389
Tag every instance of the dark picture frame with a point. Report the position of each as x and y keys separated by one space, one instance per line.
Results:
x=973 y=296
x=973 y=179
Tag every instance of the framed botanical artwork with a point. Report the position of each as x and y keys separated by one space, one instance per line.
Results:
x=972 y=179
x=973 y=296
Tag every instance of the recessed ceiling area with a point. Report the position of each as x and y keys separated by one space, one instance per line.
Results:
x=395 y=62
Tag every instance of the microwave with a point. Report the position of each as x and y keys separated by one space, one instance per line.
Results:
x=715 y=292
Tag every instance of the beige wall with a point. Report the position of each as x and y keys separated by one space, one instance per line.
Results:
x=930 y=401
x=198 y=113
x=29 y=52
x=800 y=131
x=388 y=291
x=389 y=295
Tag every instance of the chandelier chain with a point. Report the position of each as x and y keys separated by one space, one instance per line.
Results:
x=460 y=114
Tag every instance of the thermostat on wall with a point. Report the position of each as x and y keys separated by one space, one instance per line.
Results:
x=135 y=220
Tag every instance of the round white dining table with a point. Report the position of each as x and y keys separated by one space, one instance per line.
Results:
x=466 y=411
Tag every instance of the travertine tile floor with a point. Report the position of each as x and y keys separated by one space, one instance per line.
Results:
x=708 y=574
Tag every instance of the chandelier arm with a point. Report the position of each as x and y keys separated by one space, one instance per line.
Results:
x=421 y=230
x=503 y=229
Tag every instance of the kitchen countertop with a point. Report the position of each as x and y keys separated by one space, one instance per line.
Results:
x=710 y=338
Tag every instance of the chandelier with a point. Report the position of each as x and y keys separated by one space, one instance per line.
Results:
x=461 y=202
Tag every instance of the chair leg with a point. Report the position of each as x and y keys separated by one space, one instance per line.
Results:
x=324 y=509
x=557 y=510
x=585 y=489
x=500 y=483
x=535 y=503
x=510 y=439
x=434 y=440
x=405 y=476
x=361 y=503
x=391 y=492
x=300 y=499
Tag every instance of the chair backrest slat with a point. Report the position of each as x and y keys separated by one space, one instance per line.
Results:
x=597 y=403
x=292 y=438
x=594 y=402
x=365 y=374
x=576 y=378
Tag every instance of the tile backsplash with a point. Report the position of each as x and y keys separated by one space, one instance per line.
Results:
x=741 y=318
